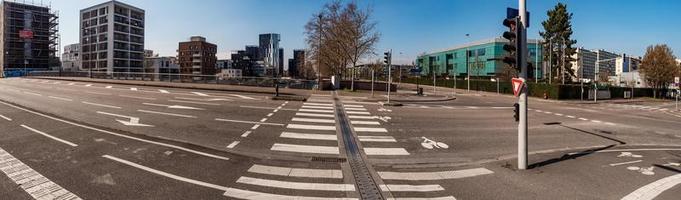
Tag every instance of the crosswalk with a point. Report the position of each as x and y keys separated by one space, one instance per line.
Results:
x=313 y=130
x=161 y=91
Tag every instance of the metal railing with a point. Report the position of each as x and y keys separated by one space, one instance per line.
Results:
x=185 y=78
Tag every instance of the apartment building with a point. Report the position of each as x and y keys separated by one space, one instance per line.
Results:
x=197 y=57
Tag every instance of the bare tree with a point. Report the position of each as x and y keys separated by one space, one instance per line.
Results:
x=659 y=66
x=339 y=36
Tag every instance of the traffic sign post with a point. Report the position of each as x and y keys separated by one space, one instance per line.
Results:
x=518 y=85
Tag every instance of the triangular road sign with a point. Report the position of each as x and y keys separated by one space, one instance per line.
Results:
x=517 y=85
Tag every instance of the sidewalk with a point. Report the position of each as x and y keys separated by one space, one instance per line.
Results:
x=217 y=87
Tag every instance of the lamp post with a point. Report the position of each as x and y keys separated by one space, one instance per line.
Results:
x=468 y=67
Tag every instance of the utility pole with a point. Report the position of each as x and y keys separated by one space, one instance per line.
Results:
x=522 y=99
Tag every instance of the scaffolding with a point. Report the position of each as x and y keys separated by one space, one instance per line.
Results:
x=40 y=47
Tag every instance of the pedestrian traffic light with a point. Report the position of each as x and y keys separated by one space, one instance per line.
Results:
x=516 y=112
x=513 y=46
x=387 y=57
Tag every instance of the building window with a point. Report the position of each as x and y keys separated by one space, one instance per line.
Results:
x=481 y=52
x=102 y=55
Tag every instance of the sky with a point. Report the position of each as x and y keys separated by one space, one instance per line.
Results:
x=408 y=27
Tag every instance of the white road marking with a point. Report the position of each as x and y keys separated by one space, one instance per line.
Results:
x=99 y=93
x=270 y=114
x=194 y=102
x=132 y=121
x=266 y=108
x=173 y=106
x=652 y=190
x=49 y=136
x=365 y=122
x=411 y=188
x=305 y=148
x=547 y=112
x=596 y=121
x=232 y=145
x=200 y=94
x=386 y=151
x=319 y=104
x=135 y=97
x=108 y=86
x=439 y=175
x=361 y=117
x=248 y=122
x=168 y=114
x=60 y=98
x=253 y=195
x=570 y=116
x=357 y=113
x=71 y=84
x=609 y=123
x=583 y=119
x=317 y=107
x=296 y=185
x=133 y=89
x=6 y=118
x=296 y=172
x=164 y=91
x=263 y=119
x=168 y=175
x=296 y=119
x=373 y=130
x=368 y=138
x=33 y=93
x=246 y=133
x=355 y=109
x=311 y=127
x=88 y=85
x=118 y=134
x=31 y=181
x=242 y=96
x=353 y=106
x=309 y=136
x=624 y=163
x=558 y=114
x=317 y=111
x=100 y=105
x=314 y=115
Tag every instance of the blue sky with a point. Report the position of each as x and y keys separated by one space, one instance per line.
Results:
x=409 y=27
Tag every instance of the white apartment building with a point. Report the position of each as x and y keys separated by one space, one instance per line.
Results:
x=112 y=37
x=230 y=74
x=584 y=64
x=70 y=59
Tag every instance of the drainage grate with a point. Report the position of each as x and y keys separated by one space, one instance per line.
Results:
x=367 y=187
x=329 y=160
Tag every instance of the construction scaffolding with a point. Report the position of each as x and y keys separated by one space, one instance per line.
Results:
x=30 y=37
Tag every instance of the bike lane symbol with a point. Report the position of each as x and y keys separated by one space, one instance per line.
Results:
x=430 y=144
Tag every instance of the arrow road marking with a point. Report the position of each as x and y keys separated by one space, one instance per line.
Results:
x=133 y=121
x=164 y=91
x=173 y=106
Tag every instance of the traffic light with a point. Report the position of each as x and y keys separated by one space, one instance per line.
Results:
x=516 y=112
x=387 y=56
x=513 y=46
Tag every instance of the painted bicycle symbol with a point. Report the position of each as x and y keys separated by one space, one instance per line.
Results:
x=430 y=144
x=646 y=171
x=629 y=154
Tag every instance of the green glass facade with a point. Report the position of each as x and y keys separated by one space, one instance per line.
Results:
x=484 y=60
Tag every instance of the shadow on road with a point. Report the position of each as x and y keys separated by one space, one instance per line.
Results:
x=569 y=157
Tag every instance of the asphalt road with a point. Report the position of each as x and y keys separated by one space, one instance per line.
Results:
x=109 y=141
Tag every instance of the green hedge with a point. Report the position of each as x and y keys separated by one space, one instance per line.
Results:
x=562 y=92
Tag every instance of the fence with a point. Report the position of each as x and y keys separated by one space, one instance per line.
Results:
x=186 y=78
x=552 y=91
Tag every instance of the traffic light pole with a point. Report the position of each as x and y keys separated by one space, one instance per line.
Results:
x=390 y=78
x=522 y=99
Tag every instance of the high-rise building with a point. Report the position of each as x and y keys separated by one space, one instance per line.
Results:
x=269 y=51
x=197 y=56
x=29 y=38
x=70 y=59
x=584 y=64
x=296 y=63
x=280 y=71
x=112 y=37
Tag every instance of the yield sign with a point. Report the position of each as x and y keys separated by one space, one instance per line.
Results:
x=518 y=84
